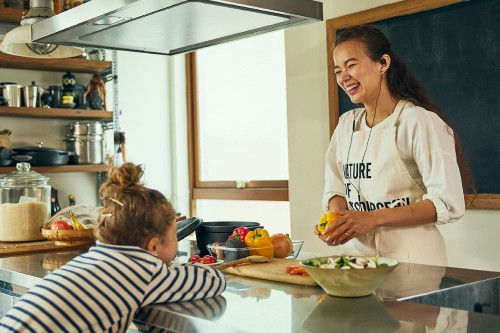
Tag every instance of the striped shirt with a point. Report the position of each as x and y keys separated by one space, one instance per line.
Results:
x=101 y=291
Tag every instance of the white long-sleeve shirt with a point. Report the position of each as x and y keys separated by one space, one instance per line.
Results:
x=101 y=291
x=426 y=147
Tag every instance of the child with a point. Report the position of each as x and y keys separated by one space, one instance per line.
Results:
x=127 y=270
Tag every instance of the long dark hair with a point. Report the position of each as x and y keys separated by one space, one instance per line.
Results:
x=402 y=84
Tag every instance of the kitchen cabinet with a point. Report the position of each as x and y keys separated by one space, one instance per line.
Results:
x=75 y=65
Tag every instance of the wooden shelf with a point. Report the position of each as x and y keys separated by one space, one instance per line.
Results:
x=11 y=15
x=54 y=113
x=61 y=168
x=77 y=65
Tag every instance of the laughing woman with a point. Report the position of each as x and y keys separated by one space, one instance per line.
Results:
x=394 y=168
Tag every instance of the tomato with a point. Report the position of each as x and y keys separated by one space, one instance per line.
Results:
x=204 y=260
x=195 y=258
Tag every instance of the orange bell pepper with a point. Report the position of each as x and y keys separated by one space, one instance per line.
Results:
x=260 y=243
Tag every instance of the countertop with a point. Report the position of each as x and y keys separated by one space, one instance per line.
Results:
x=452 y=300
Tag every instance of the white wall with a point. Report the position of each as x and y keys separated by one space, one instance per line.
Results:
x=472 y=242
x=152 y=113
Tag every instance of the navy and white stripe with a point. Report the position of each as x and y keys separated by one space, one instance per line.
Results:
x=102 y=290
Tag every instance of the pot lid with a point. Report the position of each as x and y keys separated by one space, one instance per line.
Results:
x=38 y=150
x=23 y=176
x=187 y=227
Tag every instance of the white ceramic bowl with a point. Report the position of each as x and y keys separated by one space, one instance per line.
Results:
x=349 y=282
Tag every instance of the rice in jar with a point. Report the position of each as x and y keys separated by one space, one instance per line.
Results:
x=24 y=205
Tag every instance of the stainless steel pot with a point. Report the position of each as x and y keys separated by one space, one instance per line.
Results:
x=85 y=128
x=85 y=139
x=12 y=93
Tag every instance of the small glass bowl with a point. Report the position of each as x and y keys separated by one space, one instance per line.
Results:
x=221 y=252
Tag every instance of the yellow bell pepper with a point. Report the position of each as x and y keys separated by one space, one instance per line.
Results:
x=326 y=219
x=259 y=243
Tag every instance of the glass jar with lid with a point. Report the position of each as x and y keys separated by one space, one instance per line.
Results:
x=24 y=204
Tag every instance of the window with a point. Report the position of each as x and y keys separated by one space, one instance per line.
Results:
x=238 y=130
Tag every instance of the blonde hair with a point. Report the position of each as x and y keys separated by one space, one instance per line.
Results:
x=131 y=213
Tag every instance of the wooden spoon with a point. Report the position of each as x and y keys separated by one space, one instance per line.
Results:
x=242 y=261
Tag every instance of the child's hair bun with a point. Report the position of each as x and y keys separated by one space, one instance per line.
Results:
x=128 y=176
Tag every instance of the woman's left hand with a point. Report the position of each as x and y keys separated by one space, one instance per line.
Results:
x=349 y=225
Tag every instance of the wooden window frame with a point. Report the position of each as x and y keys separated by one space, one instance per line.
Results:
x=406 y=7
x=268 y=190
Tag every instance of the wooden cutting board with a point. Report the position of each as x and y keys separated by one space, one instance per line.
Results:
x=9 y=249
x=273 y=271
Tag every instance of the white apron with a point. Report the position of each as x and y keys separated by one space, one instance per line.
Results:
x=384 y=182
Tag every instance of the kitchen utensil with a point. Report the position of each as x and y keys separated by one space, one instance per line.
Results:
x=68 y=105
x=79 y=96
x=4 y=153
x=5 y=157
x=46 y=99
x=30 y=94
x=220 y=249
x=211 y=232
x=187 y=227
x=69 y=237
x=31 y=247
x=274 y=270
x=349 y=282
x=56 y=92
x=68 y=98
x=243 y=261
x=12 y=93
x=85 y=139
x=24 y=204
x=6 y=162
x=42 y=156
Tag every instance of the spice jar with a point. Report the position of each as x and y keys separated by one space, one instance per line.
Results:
x=24 y=204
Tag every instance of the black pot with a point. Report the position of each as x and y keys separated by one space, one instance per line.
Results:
x=5 y=153
x=211 y=232
x=6 y=162
x=41 y=156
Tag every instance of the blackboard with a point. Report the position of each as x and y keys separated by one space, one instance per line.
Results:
x=454 y=51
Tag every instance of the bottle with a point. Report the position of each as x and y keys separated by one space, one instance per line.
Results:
x=58 y=6
x=54 y=202
x=67 y=5
x=71 y=199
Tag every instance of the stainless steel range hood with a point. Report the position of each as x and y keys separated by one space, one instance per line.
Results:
x=171 y=26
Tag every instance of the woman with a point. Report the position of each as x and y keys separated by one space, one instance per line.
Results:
x=391 y=167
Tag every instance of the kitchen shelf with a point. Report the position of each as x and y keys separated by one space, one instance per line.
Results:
x=11 y=15
x=77 y=65
x=24 y=112
x=61 y=168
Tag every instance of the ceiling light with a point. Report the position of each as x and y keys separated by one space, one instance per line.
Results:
x=18 y=41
